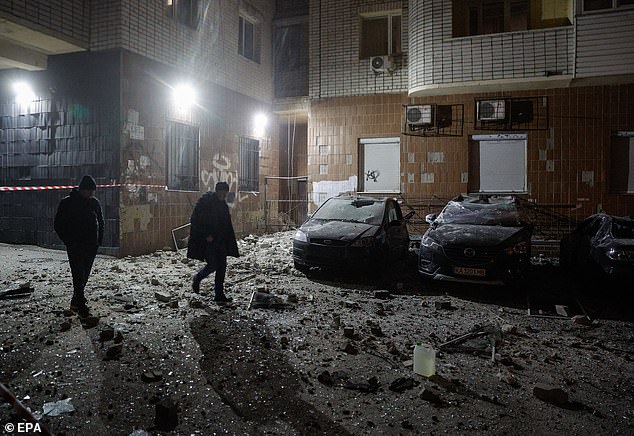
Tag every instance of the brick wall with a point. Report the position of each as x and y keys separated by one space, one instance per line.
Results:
x=210 y=51
x=68 y=19
x=222 y=116
x=335 y=67
x=581 y=122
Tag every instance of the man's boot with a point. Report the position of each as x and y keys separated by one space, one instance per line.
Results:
x=221 y=297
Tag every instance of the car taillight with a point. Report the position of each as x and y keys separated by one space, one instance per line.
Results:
x=618 y=255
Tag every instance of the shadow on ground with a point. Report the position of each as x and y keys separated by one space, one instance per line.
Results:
x=245 y=366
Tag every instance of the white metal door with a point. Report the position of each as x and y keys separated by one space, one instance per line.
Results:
x=381 y=165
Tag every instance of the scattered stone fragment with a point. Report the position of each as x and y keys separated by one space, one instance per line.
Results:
x=90 y=322
x=430 y=395
x=196 y=304
x=155 y=281
x=408 y=363
x=509 y=329
x=166 y=418
x=442 y=305
x=582 y=320
x=118 y=337
x=114 y=352
x=349 y=348
x=376 y=330
x=292 y=298
x=152 y=376
x=351 y=304
x=382 y=295
x=505 y=376
x=173 y=304
x=106 y=334
x=64 y=326
x=550 y=394
x=402 y=384
x=163 y=296
x=348 y=332
x=561 y=310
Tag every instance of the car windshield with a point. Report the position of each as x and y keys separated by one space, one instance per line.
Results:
x=367 y=211
x=622 y=229
x=500 y=214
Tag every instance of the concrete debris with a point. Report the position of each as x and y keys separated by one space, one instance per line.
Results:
x=442 y=305
x=21 y=290
x=106 y=334
x=430 y=395
x=152 y=376
x=264 y=300
x=382 y=295
x=292 y=298
x=582 y=320
x=550 y=394
x=505 y=376
x=57 y=408
x=349 y=348
x=155 y=281
x=561 y=310
x=114 y=352
x=402 y=384
x=89 y=322
x=162 y=296
x=64 y=326
x=348 y=332
x=509 y=329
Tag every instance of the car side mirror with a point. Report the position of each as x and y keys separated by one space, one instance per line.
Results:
x=409 y=214
x=430 y=218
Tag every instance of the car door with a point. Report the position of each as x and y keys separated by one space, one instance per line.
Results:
x=397 y=235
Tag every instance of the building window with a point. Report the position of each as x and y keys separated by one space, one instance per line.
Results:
x=483 y=17
x=622 y=165
x=249 y=177
x=182 y=157
x=380 y=35
x=599 y=5
x=184 y=11
x=248 y=40
x=497 y=164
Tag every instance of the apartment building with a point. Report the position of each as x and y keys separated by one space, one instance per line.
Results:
x=157 y=99
x=427 y=99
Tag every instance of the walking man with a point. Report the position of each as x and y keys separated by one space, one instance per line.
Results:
x=212 y=239
x=79 y=224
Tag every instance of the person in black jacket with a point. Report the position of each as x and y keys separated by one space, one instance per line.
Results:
x=79 y=224
x=212 y=239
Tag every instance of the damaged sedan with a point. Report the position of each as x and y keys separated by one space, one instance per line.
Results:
x=476 y=239
x=352 y=231
x=601 y=242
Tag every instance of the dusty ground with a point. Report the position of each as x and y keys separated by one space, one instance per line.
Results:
x=291 y=370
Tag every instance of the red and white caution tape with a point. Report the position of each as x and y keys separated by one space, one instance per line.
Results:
x=47 y=188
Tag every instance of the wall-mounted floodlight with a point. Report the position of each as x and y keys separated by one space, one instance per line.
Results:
x=23 y=93
x=260 y=121
x=183 y=96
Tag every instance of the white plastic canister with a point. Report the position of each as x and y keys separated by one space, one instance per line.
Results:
x=424 y=360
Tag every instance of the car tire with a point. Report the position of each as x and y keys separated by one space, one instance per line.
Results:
x=300 y=267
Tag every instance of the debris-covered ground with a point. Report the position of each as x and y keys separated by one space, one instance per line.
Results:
x=323 y=354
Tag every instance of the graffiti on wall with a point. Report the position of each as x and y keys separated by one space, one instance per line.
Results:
x=221 y=171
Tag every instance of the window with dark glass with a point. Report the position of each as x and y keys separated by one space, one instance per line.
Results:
x=380 y=35
x=247 y=39
x=598 y=5
x=182 y=157
x=184 y=11
x=249 y=176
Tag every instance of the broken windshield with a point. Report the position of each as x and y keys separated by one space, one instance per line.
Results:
x=480 y=214
x=353 y=210
x=623 y=229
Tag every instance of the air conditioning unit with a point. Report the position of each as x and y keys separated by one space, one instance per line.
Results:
x=491 y=110
x=381 y=64
x=419 y=115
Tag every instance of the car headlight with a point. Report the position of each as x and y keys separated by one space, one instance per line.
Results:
x=616 y=254
x=519 y=248
x=300 y=236
x=429 y=243
x=363 y=242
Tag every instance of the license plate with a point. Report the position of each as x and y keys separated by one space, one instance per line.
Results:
x=475 y=272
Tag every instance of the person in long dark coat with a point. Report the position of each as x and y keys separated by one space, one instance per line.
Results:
x=79 y=224
x=212 y=239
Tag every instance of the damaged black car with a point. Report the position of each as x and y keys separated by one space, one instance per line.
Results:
x=601 y=242
x=352 y=231
x=476 y=239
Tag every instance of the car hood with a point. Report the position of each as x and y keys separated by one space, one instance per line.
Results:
x=475 y=235
x=337 y=230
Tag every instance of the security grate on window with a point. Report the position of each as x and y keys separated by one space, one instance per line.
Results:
x=182 y=157
x=249 y=177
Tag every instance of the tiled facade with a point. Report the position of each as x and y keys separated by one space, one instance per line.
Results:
x=146 y=52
